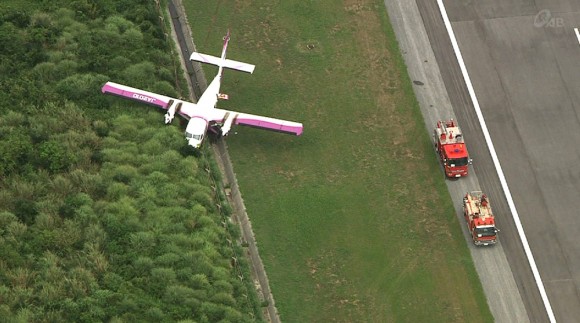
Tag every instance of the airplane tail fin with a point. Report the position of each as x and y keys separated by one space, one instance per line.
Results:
x=222 y=62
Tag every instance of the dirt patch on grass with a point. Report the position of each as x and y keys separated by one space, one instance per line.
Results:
x=309 y=47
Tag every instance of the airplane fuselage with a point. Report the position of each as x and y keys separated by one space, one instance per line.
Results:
x=198 y=125
x=209 y=98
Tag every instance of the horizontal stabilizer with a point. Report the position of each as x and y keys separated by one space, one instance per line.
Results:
x=228 y=63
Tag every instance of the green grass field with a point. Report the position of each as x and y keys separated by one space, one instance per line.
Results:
x=353 y=219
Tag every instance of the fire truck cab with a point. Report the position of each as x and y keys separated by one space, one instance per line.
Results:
x=480 y=219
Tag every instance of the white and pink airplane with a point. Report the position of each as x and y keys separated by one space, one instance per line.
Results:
x=204 y=115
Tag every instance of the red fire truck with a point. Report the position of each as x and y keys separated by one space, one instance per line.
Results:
x=448 y=141
x=480 y=219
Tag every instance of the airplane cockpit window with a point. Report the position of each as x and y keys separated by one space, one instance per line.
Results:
x=189 y=135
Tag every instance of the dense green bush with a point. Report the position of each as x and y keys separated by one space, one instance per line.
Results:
x=103 y=216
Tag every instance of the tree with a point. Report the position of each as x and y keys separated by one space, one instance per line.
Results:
x=12 y=41
x=181 y=302
x=161 y=278
x=138 y=75
x=15 y=151
x=124 y=174
x=25 y=210
x=82 y=87
x=54 y=157
x=65 y=68
x=143 y=243
x=101 y=128
x=45 y=72
x=73 y=203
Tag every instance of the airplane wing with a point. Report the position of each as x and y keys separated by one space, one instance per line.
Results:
x=186 y=109
x=251 y=120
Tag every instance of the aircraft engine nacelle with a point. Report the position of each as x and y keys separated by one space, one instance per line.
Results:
x=227 y=126
x=173 y=108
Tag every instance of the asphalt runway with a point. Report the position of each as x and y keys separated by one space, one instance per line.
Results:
x=524 y=60
x=427 y=51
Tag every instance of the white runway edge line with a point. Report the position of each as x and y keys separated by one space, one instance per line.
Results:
x=577 y=34
x=496 y=163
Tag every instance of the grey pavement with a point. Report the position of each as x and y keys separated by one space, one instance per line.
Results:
x=523 y=58
x=524 y=61
x=492 y=265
